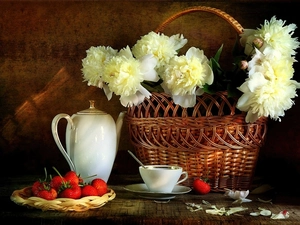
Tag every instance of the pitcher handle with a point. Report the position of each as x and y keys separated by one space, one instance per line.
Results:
x=56 y=136
x=185 y=177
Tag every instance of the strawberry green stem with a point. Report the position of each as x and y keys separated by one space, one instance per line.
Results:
x=57 y=172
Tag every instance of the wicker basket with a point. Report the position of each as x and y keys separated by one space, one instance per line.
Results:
x=210 y=140
x=24 y=197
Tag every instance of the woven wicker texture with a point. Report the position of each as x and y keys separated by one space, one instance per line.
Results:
x=229 y=19
x=24 y=197
x=210 y=140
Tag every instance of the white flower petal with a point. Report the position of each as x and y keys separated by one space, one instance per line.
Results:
x=144 y=92
x=128 y=101
x=125 y=52
x=135 y=99
x=265 y=212
x=251 y=117
x=107 y=92
x=192 y=51
x=282 y=215
x=254 y=214
x=185 y=101
x=209 y=75
x=235 y=210
x=257 y=80
x=199 y=92
x=238 y=195
x=243 y=102
x=148 y=64
x=178 y=40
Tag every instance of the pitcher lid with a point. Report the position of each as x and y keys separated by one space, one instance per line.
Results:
x=92 y=109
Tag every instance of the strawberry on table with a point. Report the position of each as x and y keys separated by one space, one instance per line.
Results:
x=88 y=190
x=100 y=185
x=201 y=186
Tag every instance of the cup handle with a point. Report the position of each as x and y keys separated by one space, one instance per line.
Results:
x=185 y=177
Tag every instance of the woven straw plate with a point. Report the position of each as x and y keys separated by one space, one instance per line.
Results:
x=24 y=197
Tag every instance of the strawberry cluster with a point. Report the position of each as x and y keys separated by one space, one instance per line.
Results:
x=70 y=185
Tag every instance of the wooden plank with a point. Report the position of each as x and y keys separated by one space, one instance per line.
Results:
x=129 y=208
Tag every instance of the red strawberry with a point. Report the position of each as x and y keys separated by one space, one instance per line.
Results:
x=88 y=190
x=39 y=185
x=56 y=182
x=100 y=185
x=47 y=194
x=72 y=177
x=70 y=185
x=69 y=190
x=201 y=187
x=36 y=187
x=43 y=190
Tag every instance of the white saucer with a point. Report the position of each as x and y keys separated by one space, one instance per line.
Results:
x=144 y=192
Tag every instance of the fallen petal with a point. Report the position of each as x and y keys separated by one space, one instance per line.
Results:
x=240 y=196
x=246 y=200
x=219 y=212
x=265 y=212
x=254 y=214
x=193 y=207
x=234 y=210
x=282 y=215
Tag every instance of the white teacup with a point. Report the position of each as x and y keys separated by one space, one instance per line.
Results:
x=162 y=178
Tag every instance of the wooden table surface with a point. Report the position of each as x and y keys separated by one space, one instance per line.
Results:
x=129 y=208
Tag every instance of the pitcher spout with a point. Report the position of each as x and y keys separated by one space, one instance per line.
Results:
x=119 y=124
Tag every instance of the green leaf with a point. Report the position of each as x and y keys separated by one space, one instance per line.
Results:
x=153 y=86
x=208 y=89
x=214 y=64
x=218 y=53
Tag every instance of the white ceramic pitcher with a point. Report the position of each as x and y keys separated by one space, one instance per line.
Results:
x=92 y=139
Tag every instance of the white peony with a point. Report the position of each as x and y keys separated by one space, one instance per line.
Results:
x=185 y=76
x=124 y=75
x=272 y=65
x=269 y=89
x=274 y=34
x=93 y=64
x=161 y=46
x=263 y=97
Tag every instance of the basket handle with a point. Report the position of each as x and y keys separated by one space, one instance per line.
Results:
x=234 y=23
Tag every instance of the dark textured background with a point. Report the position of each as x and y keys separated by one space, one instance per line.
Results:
x=41 y=48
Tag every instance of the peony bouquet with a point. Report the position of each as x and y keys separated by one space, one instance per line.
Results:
x=261 y=76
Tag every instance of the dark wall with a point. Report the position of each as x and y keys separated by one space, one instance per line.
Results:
x=41 y=48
